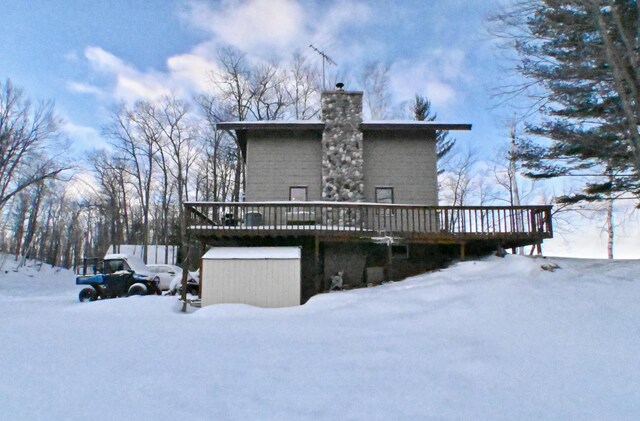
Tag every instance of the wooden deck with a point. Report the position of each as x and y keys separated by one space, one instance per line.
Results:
x=509 y=225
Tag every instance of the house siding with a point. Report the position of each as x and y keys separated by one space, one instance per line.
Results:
x=405 y=161
x=278 y=160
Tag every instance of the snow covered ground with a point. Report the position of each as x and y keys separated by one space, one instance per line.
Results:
x=498 y=339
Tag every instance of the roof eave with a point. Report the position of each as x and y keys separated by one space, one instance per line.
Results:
x=369 y=126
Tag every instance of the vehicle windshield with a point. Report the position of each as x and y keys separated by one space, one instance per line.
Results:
x=111 y=266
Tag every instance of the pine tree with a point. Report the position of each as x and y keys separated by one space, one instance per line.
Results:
x=422 y=112
x=584 y=55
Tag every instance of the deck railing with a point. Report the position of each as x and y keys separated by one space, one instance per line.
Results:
x=370 y=219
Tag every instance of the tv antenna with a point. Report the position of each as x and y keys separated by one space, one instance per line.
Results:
x=325 y=59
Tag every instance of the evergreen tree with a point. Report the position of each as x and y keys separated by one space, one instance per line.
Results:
x=584 y=55
x=422 y=112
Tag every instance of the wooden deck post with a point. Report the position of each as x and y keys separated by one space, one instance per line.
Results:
x=203 y=247
x=318 y=280
x=389 y=262
x=463 y=247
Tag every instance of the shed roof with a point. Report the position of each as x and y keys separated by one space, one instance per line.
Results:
x=252 y=253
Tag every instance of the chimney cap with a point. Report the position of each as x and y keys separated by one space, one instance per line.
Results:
x=340 y=86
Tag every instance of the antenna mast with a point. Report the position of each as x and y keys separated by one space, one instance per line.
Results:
x=325 y=59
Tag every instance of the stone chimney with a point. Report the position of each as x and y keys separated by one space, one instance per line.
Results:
x=342 y=164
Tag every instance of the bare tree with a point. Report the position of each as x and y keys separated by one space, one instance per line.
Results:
x=180 y=137
x=27 y=134
x=457 y=180
x=236 y=98
x=375 y=84
x=267 y=90
x=112 y=194
x=135 y=137
x=303 y=89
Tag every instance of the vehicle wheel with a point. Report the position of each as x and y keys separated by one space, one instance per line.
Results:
x=87 y=294
x=138 y=289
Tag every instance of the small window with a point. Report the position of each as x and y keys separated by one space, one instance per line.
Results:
x=298 y=193
x=384 y=195
x=400 y=251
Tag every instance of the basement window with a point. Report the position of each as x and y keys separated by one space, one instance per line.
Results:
x=400 y=251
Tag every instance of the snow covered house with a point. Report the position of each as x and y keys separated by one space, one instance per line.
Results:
x=359 y=197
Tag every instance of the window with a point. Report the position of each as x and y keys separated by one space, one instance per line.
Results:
x=112 y=266
x=298 y=193
x=384 y=195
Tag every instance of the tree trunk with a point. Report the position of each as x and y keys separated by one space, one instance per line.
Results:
x=610 y=228
x=513 y=182
x=33 y=217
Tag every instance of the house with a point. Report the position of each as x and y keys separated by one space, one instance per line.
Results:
x=359 y=197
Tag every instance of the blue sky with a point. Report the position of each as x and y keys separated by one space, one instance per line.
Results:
x=89 y=55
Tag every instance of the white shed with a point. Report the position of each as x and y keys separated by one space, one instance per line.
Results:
x=259 y=276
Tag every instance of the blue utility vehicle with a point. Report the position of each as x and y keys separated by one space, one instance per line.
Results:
x=116 y=275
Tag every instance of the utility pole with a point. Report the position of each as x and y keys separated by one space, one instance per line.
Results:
x=325 y=59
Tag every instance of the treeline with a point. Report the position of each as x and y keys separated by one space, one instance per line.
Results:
x=576 y=66
x=162 y=153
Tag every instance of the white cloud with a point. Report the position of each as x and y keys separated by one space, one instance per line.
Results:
x=441 y=75
x=186 y=73
x=409 y=79
x=85 y=88
x=276 y=28
x=251 y=24
x=192 y=70
x=440 y=92
x=344 y=15
x=104 y=61
x=138 y=86
x=261 y=28
x=83 y=137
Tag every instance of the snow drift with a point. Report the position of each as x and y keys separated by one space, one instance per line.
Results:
x=492 y=339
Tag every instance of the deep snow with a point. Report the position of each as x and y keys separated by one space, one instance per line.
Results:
x=497 y=339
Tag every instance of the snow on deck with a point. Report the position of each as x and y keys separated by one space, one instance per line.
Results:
x=497 y=339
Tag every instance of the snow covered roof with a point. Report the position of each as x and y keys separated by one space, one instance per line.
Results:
x=252 y=253
x=319 y=125
x=411 y=125
x=272 y=125
x=136 y=263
